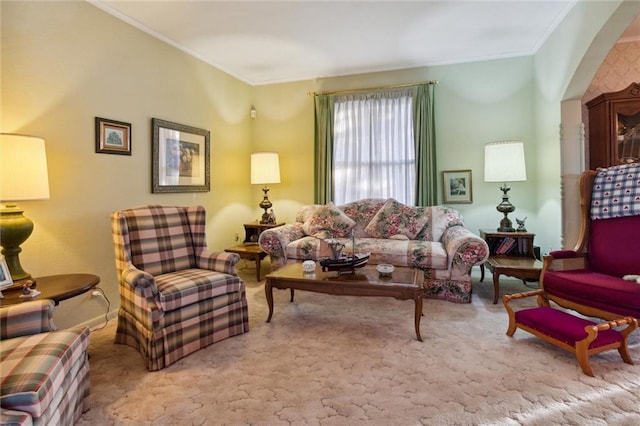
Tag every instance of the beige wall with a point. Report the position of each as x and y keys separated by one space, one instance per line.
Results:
x=63 y=63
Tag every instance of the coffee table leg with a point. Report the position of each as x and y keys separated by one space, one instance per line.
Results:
x=418 y=316
x=291 y=294
x=257 y=259
x=268 y=290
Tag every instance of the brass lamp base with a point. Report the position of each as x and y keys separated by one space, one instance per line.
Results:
x=266 y=205
x=15 y=228
x=505 y=207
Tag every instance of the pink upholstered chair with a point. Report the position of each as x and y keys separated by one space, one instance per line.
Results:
x=588 y=279
x=175 y=296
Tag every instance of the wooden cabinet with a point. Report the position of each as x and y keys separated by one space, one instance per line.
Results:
x=516 y=244
x=253 y=230
x=614 y=128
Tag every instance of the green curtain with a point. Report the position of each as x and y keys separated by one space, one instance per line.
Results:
x=425 y=139
x=323 y=163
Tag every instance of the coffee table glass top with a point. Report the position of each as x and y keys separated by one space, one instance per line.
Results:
x=368 y=273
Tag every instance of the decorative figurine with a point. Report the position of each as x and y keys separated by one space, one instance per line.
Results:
x=272 y=217
x=520 y=223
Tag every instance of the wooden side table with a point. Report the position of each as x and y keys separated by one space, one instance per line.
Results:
x=252 y=231
x=511 y=254
x=54 y=287
x=249 y=252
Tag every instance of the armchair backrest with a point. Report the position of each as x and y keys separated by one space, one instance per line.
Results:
x=159 y=239
x=610 y=233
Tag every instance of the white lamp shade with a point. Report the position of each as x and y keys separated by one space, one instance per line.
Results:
x=23 y=168
x=504 y=162
x=265 y=168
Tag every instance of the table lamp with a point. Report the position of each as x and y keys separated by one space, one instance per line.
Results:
x=504 y=162
x=265 y=169
x=23 y=176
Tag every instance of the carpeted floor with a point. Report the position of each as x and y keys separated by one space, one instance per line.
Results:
x=331 y=360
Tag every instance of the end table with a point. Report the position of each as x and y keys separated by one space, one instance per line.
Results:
x=54 y=287
x=511 y=254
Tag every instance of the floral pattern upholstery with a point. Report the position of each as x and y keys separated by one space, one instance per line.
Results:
x=438 y=242
x=327 y=222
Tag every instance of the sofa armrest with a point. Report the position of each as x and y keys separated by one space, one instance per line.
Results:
x=274 y=241
x=564 y=260
x=224 y=262
x=464 y=250
x=26 y=318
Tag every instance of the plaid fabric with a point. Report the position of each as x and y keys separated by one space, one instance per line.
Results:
x=41 y=371
x=26 y=318
x=11 y=418
x=616 y=192
x=170 y=308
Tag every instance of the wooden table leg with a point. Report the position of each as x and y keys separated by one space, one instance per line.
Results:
x=268 y=290
x=496 y=285
x=257 y=259
x=418 y=316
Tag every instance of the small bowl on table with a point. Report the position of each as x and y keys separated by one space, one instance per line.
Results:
x=385 y=270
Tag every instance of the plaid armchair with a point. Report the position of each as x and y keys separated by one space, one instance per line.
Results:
x=44 y=371
x=175 y=296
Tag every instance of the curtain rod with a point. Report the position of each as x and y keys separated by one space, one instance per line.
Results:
x=396 y=86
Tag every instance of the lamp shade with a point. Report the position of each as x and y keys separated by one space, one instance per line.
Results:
x=265 y=168
x=504 y=162
x=23 y=168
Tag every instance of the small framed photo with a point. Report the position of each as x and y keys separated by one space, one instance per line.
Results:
x=457 y=187
x=180 y=158
x=5 y=275
x=113 y=137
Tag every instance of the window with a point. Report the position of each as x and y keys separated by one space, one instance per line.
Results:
x=374 y=149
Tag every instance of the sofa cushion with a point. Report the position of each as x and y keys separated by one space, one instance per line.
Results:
x=395 y=218
x=362 y=211
x=35 y=367
x=595 y=289
x=614 y=246
x=183 y=288
x=328 y=221
x=160 y=239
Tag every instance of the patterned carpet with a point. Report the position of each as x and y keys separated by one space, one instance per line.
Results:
x=331 y=360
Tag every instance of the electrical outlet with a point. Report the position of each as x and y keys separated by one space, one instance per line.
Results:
x=237 y=237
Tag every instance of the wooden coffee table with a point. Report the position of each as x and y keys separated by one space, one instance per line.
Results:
x=405 y=283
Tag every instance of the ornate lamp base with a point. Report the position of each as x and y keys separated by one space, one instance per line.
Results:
x=505 y=207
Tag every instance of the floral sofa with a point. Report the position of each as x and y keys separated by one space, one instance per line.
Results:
x=430 y=238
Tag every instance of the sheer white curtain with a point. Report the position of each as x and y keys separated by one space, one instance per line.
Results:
x=374 y=149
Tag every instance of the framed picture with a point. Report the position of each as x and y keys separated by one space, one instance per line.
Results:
x=180 y=159
x=113 y=137
x=5 y=275
x=457 y=186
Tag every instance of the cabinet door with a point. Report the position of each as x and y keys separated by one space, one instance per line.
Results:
x=626 y=132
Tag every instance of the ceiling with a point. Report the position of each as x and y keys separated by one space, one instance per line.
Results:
x=264 y=42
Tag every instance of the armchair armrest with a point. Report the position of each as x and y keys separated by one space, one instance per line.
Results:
x=274 y=240
x=32 y=317
x=219 y=261
x=137 y=278
x=564 y=260
x=464 y=250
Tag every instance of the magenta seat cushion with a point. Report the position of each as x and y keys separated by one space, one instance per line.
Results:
x=562 y=326
x=595 y=289
x=614 y=246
